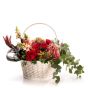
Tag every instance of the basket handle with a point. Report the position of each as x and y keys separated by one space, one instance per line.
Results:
x=41 y=24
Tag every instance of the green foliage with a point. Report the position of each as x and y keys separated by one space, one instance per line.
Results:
x=57 y=79
x=57 y=67
x=79 y=71
x=21 y=54
x=25 y=36
x=43 y=60
x=34 y=61
x=70 y=62
x=70 y=70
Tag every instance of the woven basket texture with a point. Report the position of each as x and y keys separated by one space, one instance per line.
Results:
x=39 y=71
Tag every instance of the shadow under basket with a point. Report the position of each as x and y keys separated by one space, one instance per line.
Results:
x=38 y=71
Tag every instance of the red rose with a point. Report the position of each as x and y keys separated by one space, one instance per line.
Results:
x=31 y=55
x=39 y=46
x=48 y=41
x=35 y=46
x=43 y=45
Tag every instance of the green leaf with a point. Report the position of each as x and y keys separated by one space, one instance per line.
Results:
x=43 y=60
x=25 y=36
x=34 y=62
x=57 y=79
x=80 y=76
x=55 y=73
x=70 y=70
x=63 y=56
x=58 y=69
x=79 y=67
x=69 y=60
x=57 y=61
x=54 y=65
x=82 y=71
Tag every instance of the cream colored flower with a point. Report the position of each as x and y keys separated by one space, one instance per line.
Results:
x=18 y=34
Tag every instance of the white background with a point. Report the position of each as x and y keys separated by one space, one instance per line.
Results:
x=69 y=18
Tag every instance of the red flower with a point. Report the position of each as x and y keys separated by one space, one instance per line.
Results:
x=48 y=41
x=57 y=54
x=36 y=46
x=43 y=45
x=39 y=46
x=31 y=55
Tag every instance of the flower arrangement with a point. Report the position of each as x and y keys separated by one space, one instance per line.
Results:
x=44 y=50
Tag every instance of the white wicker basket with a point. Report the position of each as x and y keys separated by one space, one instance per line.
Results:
x=37 y=71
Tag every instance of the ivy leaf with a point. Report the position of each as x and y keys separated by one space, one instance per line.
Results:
x=59 y=67
x=70 y=70
x=79 y=67
x=42 y=60
x=57 y=79
x=69 y=60
x=57 y=61
x=54 y=65
x=34 y=62
x=55 y=73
